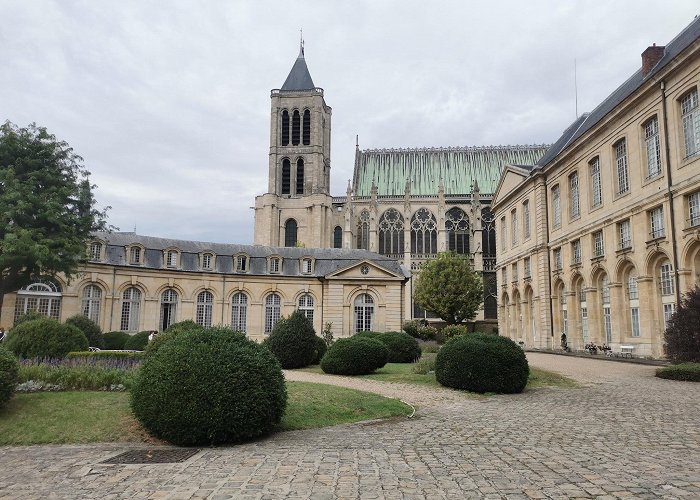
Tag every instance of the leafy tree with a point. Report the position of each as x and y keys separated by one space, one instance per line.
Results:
x=682 y=335
x=450 y=288
x=47 y=209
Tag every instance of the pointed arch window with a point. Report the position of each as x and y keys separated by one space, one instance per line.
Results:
x=423 y=232
x=239 y=312
x=90 y=303
x=131 y=309
x=338 y=237
x=306 y=135
x=285 y=128
x=290 y=233
x=168 y=308
x=273 y=307
x=306 y=306
x=296 y=125
x=391 y=232
x=286 y=176
x=300 y=176
x=363 y=230
x=205 y=306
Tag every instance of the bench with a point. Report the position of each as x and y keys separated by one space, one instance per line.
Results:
x=626 y=351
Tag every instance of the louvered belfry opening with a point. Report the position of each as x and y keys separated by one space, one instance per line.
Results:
x=296 y=125
x=285 y=128
x=300 y=176
x=286 y=176
x=307 y=128
x=290 y=233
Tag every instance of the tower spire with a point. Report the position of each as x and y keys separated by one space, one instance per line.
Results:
x=301 y=42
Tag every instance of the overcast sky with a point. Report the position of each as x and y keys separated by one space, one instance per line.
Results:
x=169 y=102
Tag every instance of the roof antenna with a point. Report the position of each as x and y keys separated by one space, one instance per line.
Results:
x=576 y=88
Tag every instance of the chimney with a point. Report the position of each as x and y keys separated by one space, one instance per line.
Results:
x=651 y=57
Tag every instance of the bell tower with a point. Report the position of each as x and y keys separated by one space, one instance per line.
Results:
x=296 y=209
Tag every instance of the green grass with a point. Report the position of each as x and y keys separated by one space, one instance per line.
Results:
x=543 y=378
x=87 y=416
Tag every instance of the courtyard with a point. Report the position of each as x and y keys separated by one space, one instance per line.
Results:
x=623 y=433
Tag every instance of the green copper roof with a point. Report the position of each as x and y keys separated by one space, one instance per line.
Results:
x=423 y=168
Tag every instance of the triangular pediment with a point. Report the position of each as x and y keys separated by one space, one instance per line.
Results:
x=364 y=270
x=512 y=177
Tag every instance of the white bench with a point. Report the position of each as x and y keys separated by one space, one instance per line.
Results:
x=626 y=351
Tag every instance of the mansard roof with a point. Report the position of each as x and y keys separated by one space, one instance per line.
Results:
x=458 y=167
x=299 y=78
x=326 y=260
x=587 y=121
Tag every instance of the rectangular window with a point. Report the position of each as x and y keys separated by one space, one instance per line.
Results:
x=607 y=324
x=242 y=264
x=171 y=260
x=504 y=276
x=274 y=265
x=624 y=232
x=584 y=324
x=666 y=279
x=669 y=309
x=135 y=255
x=598 y=244
x=557 y=259
x=596 y=186
x=206 y=261
x=632 y=288
x=526 y=219
x=653 y=146
x=694 y=209
x=656 y=221
x=504 y=243
x=691 y=123
x=556 y=207
x=514 y=227
x=526 y=266
x=306 y=266
x=95 y=251
x=514 y=269
x=623 y=183
x=574 y=206
x=576 y=252
x=635 y=321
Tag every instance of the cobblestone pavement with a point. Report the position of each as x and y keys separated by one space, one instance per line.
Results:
x=623 y=434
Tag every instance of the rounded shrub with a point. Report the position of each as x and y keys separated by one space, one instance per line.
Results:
x=137 y=341
x=209 y=387
x=30 y=316
x=454 y=331
x=89 y=328
x=45 y=338
x=293 y=341
x=320 y=350
x=357 y=355
x=402 y=347
x=171 y=332
x=689 y=372
x=9 y=374
x=482 y=363
x=115 y=340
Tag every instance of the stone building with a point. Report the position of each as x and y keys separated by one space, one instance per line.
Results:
x=601 y=236
x=407 y=204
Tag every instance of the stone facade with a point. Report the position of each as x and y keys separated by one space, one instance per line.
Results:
x=600 y=239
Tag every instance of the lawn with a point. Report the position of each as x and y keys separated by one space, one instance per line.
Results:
x=91 y=416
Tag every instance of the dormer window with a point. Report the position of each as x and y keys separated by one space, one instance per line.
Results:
x=242 y=263
x=207 y=261
x=135 y=255
x=171 y=258
x=95 y=251
x=275 y=265
x=307 y=265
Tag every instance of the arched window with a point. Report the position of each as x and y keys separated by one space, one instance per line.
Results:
x=391 y=232
x=285 y=128
x=286 y=176
x=43 y=296
x=90 y=304
x=338 y=237
x=295 y=127
x=364 y=313
x=423 y=232
x=607 y=313
x=239 y=312
x=290 y=233
x=306 y=136
x=205 y=305
x=300 y=176
x=168 y=308
x=306 y=306
x=457 y=227
x=131 y=308
x=363 y=230
x=273 y=306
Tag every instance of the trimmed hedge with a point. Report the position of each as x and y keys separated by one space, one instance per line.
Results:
x=105 y=354
x=402 y=347
x=209 y=387
x=688 y=372
x=418 y=330
x=45 y=338
x=90 y=329
x=9 y=374
x=482 y=363
x=30 y=316
x=319 y=351
x=358 y=355
x=137 y=341
x=115 y=340
x=454 y=331
x=293 y=341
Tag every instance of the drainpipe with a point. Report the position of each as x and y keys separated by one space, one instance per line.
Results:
x=549 y=261
x=669 y=184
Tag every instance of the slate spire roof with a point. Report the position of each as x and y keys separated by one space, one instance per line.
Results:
x=299 y=78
